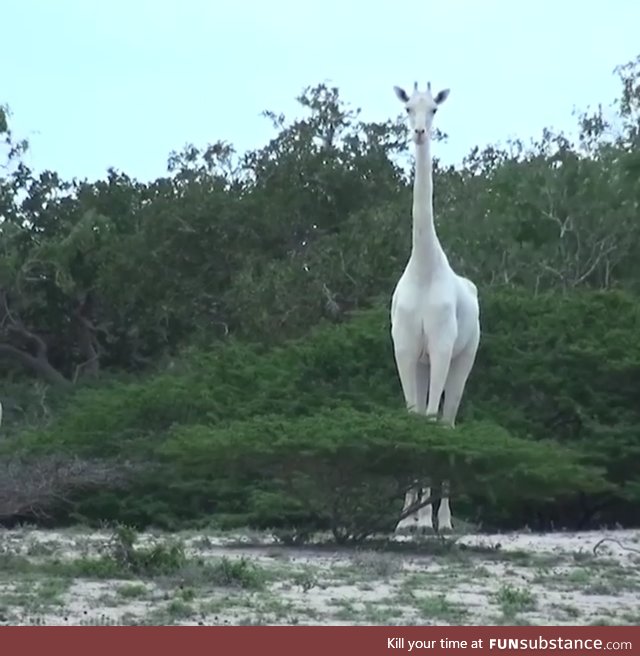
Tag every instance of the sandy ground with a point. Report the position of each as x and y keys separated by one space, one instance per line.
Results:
x=74 y=577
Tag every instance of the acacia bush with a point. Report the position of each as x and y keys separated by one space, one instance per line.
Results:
x=540 y=370
x=347 y=470
x=568 y=371
x=338 y=469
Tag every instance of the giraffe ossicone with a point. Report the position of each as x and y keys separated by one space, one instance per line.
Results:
x=435 y=314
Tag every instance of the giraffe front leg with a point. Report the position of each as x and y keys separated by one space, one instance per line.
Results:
x=440 y=361
x=444 y=511
x=409 y=523
x=425 y=514
x=407 y=365
x=458 y=375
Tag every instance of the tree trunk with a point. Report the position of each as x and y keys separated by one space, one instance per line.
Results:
x=87 y=340
x=40 y=366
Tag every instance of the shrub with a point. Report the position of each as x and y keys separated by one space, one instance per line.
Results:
x=546 y=370
x=347 y=470
x=567 y=369
x=30 y=485
x=144 y=561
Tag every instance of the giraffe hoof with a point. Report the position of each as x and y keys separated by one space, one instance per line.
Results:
x=445 y=530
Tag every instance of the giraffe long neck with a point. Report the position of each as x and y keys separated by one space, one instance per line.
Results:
x=426 y=250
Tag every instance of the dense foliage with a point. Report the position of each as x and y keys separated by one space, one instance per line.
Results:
x=225 y=327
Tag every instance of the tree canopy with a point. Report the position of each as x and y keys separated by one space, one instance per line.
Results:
x=256 y=285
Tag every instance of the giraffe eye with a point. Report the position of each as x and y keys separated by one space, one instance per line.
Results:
x=407 y=109
x=434 y=110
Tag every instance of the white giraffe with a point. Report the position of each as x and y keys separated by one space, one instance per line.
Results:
x=435 y=315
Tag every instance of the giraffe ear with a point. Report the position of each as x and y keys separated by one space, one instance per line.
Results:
x=442 y=96
x=402 y=94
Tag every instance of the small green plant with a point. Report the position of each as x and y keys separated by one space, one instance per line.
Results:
x=178 y=609
x=239 y=573
x=567 y=611
x=306 y=580
x=377 y=565
x=187 y=594
x=132 y=591
x=579 y=576
x=346 y=610
x=438 y=607
x=145 y=561
x=514 y=600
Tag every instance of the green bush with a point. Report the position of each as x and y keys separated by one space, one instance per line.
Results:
x=348 y=470
x=144 y=561
x=567 y=369
x=338 y=469
x=545 y=371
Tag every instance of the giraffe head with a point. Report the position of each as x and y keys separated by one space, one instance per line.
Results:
x=421 y=107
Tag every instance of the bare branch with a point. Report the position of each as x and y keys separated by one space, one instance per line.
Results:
x=40 y=366
x=622 y=546
x=30 y=487
x=38 y=363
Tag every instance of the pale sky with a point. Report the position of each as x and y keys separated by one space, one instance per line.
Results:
x=122 y=83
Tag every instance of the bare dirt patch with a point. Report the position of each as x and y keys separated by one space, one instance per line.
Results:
x=73 y=577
